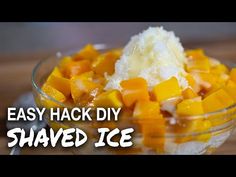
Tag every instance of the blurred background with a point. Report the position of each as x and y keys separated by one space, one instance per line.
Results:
x=22 y=45
x=35 y=37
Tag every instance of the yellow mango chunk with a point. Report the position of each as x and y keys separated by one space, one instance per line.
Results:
x=60 y=83
x=190 y=107
x=153 y=131
x=74 y=68
x=213 y=89
x=146 y=110
x=200 y=126
x=133 y=90
x=217 y=101
x=109 y=99
x=233 y=75
x=203 y=127
x=80 y=85
x=54 y=93
x=63 y=62
x=167 y=89
x=230 y=88
x=192 y=83
x=189 y=93
x=86 y=76
x=99 y=79
x=152 y=123
x=105 y=63
x=218 y=82
x=55 y=72
x=197 y=61
x=205 y=80
x=219 y=69
x=155 y=142
x=87 y=53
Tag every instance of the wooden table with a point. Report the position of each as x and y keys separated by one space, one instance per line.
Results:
x=15 y=75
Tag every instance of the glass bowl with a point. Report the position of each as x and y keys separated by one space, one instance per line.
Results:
x=200 y=134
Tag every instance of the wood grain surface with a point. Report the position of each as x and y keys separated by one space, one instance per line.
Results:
x=15 y=78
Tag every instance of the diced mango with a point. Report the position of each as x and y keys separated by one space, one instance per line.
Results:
x=189 y=93
x=110 y=99
x=220 y=82
x=167 y=89
x=190 y=107
x=154 y=133
x=204 y=126
x=55 y=72
x=208 y=77
x=233 y=75
x=74 y=68
x=155 y=142
x=213 y=89
x=191 y=127
x=87 y=53
x=105 y=63
x=230 y=88
x=86 y=76
x=133 y=90
x=54 y=93
x=219 y=69
x=60 y=83
x=99 y=79
x=146 y=110
x=197 y=61
x=222 y=79
x=80 y=85
x=217 y=101
x=63 y=62
x=192 y=83
x=207 y=80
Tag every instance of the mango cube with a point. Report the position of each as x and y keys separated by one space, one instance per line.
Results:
x=206 y=80
x=99 y=79
x=155 y=142
x=105 y=63
x=219 y=69
x=74 y=68
x=87 y=53
x=54 y=93
x=217 y=101
x=109 y=99
x=146 y=110
x=192 y=126
x=190 y=107
x=55 y=72
x=134 y=90
x=154 y=133
x=204 y=126
x=189 y=93
x=152 y=124
x=60 y=83
x=233 y=75
x=192 y=83
x=167 y=89
x=63 y=62
x=230 y=88
x=80 y=86
x=197 y=61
